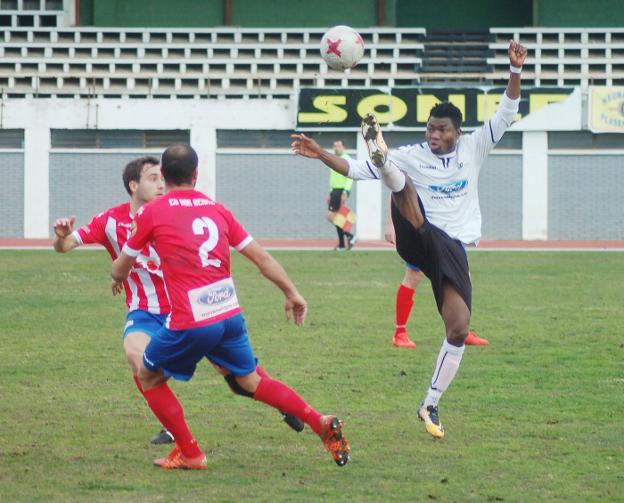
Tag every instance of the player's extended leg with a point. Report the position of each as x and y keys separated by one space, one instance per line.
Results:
x=169 y=411
x=456 y=316
x=278 y=395
x=236 y=388
x=406 y=201
x=134 y=346
x=403 y=306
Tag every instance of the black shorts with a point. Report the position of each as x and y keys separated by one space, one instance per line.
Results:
x=335 y=200
x=442 y=258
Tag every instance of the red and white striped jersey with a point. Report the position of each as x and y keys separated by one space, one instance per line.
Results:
x=145 y=288
x=193 y=234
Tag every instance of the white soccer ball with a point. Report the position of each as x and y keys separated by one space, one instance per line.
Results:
x=342 y=47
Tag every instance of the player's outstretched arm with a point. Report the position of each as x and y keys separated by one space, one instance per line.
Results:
x=271 y=269
x=307 y=147
x=122 y=266
x=517 y=56
x=120 y=271
x=64 y=240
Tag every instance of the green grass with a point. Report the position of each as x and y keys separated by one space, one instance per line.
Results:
x=536 y=416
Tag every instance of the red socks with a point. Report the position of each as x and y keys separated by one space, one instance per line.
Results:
x=138 y=383
x=404 y=303
x=261 y=372
x=168 y=410
x=278 y=395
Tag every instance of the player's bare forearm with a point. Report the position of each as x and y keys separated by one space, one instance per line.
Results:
x=64 y=244
x=121 y=268
x=64 y=240
x=307 y=147
x=270 y=268
x=336 y=163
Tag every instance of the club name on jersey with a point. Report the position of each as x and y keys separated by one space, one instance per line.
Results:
x=449 y=188
x=175 y=201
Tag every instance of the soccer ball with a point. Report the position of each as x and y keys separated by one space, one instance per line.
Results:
x=342 y=47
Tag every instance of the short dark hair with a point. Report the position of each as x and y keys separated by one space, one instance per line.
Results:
x=447 y=110
x=178 y=164
x=132 y=171
x=340 y=140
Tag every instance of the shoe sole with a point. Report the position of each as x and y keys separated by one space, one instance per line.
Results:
x=335 y=427
x=369 y=132
x=434 y=430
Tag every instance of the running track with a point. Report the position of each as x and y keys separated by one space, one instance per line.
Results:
x=276 y=244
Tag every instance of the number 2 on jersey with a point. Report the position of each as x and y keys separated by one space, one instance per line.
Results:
x=199 y=226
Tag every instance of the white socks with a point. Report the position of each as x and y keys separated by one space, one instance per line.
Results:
x=392 y=177
x=446 y=367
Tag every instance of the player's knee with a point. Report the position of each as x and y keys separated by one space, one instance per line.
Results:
x=412 y=278
x=149 y=379
x=457 y=335
x=235 y=387
x=249 y=382
x=134 y=346
x=134 y=359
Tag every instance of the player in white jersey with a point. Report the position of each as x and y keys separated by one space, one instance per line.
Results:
x=435 y=210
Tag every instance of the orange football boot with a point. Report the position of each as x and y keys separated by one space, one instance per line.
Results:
x=474 y=340
x=178 y=461
x=334 y=440
x=401 y=340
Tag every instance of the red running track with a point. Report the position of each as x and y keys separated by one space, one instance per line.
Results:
x=17 y=243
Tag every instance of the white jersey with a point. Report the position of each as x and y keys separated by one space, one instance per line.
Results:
x=447 y=184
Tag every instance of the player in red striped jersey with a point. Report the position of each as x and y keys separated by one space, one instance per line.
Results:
x=193 y=235
x=146 y=297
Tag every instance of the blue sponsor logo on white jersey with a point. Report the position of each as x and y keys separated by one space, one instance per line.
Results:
x=449 y=188
x=217 y=295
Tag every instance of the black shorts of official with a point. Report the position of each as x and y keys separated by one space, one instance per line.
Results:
x=335 y=200
x=441 y=258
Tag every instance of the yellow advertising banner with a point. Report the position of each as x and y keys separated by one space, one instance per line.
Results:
x=606 y=109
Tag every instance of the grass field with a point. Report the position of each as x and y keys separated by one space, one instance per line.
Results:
x=535 y=416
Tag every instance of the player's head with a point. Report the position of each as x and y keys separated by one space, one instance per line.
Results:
x=179 y=165
x=142 y=179
x=339 y=147
x=443 y=128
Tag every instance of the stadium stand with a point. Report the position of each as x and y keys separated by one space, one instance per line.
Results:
x=35 y=13
x=273 y=63
x=456 y=57
x=562 y=57
x=222 y=62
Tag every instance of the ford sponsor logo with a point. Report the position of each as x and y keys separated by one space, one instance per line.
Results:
x=449 y=188
x=216 y=296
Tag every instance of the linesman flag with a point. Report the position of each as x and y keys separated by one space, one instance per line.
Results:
x=345 y=219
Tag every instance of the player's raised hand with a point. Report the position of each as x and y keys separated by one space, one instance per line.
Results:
x=63 y=227
x=517 y=54
x=296 y=307
x=307 y=147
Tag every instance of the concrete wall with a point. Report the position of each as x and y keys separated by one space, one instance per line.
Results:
x=86 y=183
x=12 y=194
x=585 y=197
x=528 y=193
